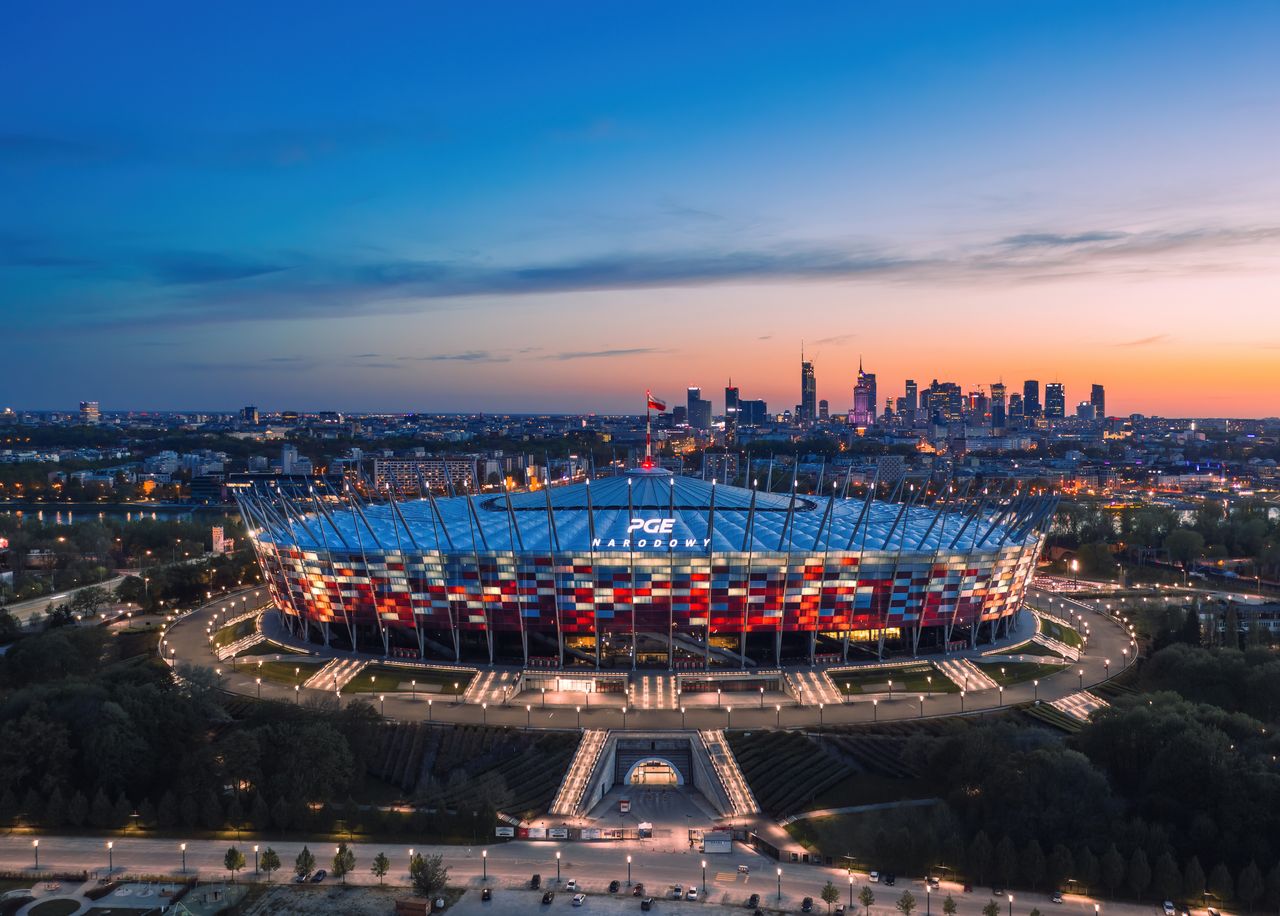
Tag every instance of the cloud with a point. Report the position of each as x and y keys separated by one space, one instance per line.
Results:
x=837 y=339
x=467 y=356
x=1142 y=341
x=1056 y=240
x=193 y=267
x=602 y=354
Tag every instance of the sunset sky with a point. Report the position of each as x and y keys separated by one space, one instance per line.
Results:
x=553 y=206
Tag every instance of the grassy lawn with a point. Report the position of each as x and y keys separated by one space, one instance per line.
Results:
x=1064 y=635
x=907 y=679
x=1031 y=648
x=1006 y=673
x=870 y=789
x=266 y=648
x=227 y=635
x=851 y=836
x=379 y=678
x=282 y=672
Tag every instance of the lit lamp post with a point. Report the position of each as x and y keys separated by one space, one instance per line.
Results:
x=682 y=717
x=717 y=696
x=579 y=711
x=1011 y=905
x=255 y=858
x=928 y=897
x=851 y=893
x=35 y=845
x=111 y=861
x=1002 y=694
x=1080 y=674
x=922 y=706
x=382 y=705
x=429 y=714
x=728 y=721
x=484 y=714
x=259 y=688
x=704 y=877
x=557 y=866
x=779 y=884
x=484 y=864
x=875 y=710
x=297 y=693
x=528 y=716
x=1106 y=665
x=778 y=715
x=762 y=698
x=1035 y=685
x=628 y=871
x=891 y=688
x=183 y=847
x=413 y=689
x=962 y=701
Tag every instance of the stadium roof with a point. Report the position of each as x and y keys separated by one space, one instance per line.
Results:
x=644 y=510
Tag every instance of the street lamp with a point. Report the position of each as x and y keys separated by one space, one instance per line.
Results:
x=819 y=715
x=891 y=688
x=624 y=718
x=1106 y=664
x=962 y=701
x=183 y=847
x=557 y=866
x=1080 y=673
x=1011 y=905
x=255 y=858
x=1002 y=694
x=528 y=716
x=297 y=694
x=484 y=864
x=778 y=715
x=875 y=710
x=728 y=713
x=579 y=711
x=382 y=704
x=762 y=698
x=1036 y=689
x=704 y=877
x=779 y=884
x=928 y=897
x=717 y=696
x=428 y=710
x=922 y=706
x=111 y=862
x=35 y=844
x=682 y=717
x=628 y=870
x=484 y=713
x=413 y=689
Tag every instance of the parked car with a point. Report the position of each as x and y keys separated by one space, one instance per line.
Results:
x=806 y=905
x=1168 y=908
x=638 y=890
x=486 y=894
x=753 y=900
x=691 y=894
x=646 y=904
x=874 y=877
x=677 y=892
x=889 y=879
x=548 y=897
x=997 y=891
x=302 y=879
x=934 y=882
x=579 y=899
x=744 y=869
x=571 y=884
x=839 y=910
x=968 y=888
x=319 y=876
x=613 y=887
x=535 y=882
x=1057 y=897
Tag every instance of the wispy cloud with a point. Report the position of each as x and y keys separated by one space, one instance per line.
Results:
x=194 y=267
x=603 y=354
x=1143 y=341
x=1058 y=240
x=836 y=339
x=467 y=356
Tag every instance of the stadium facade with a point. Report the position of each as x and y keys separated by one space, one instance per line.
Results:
x=646 y=568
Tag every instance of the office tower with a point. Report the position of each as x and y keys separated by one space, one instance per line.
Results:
x=1098 y=398
x=1031 y=398
x=288 y=459
x=808 y=391
x=1015 y=408
x=679 y=415
x=90 y=414
x=913 y=396
x=824 y=410
x=997 y=405
x=1085 y=411
x=730 y=413
x=752 y=413
x=1055 y=401
x=699 y=410
x=864 y=398
x=249 y=415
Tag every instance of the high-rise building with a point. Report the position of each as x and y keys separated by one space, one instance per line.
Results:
x=752 y=413
x=1085 y=411
x=288 y=459
x=90 y=414
x=249 y=415
x=699 y=410
x=824 y=410
x=864 y=398
x=1031 y=398
x=730 y=413
x=1098 y=398
x=679 y=415
x=1055 y=401
x=997 y=405
x=1015 y=408
x=808 y=391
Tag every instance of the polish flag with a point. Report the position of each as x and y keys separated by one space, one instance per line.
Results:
x=654 y=403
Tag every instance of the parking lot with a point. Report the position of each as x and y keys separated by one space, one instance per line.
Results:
x=525 y=902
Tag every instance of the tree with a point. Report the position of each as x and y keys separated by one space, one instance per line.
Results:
x=1062 y=865
x=949 y=906
x=1249 y=885
x=100 y=812
x=1165 y=880
x=1139 y=873
x=1273 y=887
x=1112 y=869
x=78 y=810
x=233 y=861
x=344 y=860
x=1184 y=545
x=429 y=873
x=980 y=856
x=280 y=814
x=866 y=897
x=906 y=903
x=260 y=813
x=991 y=909
x=1193 y=880
x=1220 y=883
x=381 y=865
x=830 y=894
x=270 y=862
x=1033 y=864
x=55 y=809
x=305 y=864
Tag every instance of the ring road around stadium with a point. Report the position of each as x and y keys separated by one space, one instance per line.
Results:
x=648 y=570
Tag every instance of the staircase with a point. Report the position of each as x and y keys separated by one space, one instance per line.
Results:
x=1080 y=705
x=335 y=675
x=1071 y=653
x=240 y=645
x=965 y=674
x=655 y=691
x=489 y=687
x=569 y=795
x=741 y=801
x=813 y=687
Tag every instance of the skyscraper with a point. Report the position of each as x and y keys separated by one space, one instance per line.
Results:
x=1098 y=398
x=730 y=413
x=699 y=410
x=913 y=395
x=864 y=398
x=1055 y=401
x=90 y=414
x=997 y=405
x=249 y=415
x=1031 y=398
x=808 y=391
x=824 y=410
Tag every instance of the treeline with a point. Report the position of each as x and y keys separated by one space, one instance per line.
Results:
x=1169 y=794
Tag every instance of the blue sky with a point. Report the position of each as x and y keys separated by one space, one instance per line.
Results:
x=554 y=206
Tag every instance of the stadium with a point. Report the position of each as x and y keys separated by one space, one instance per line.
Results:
x=648 y=569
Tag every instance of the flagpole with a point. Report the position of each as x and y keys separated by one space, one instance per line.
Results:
x=648 y=429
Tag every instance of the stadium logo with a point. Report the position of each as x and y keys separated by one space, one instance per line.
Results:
x=639 y=529
x=652 y=525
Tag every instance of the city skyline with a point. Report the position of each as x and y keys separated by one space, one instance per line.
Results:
x=451 y=210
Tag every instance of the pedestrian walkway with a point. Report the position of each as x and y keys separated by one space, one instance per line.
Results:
x=241 y=645
x=335 y=675
x=1068 y=652
x=965 y=674
x=569 y=796
x=655 y=691
x=492 y=687
x=742 y=802
x=813 y=687
x=1080 y=705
